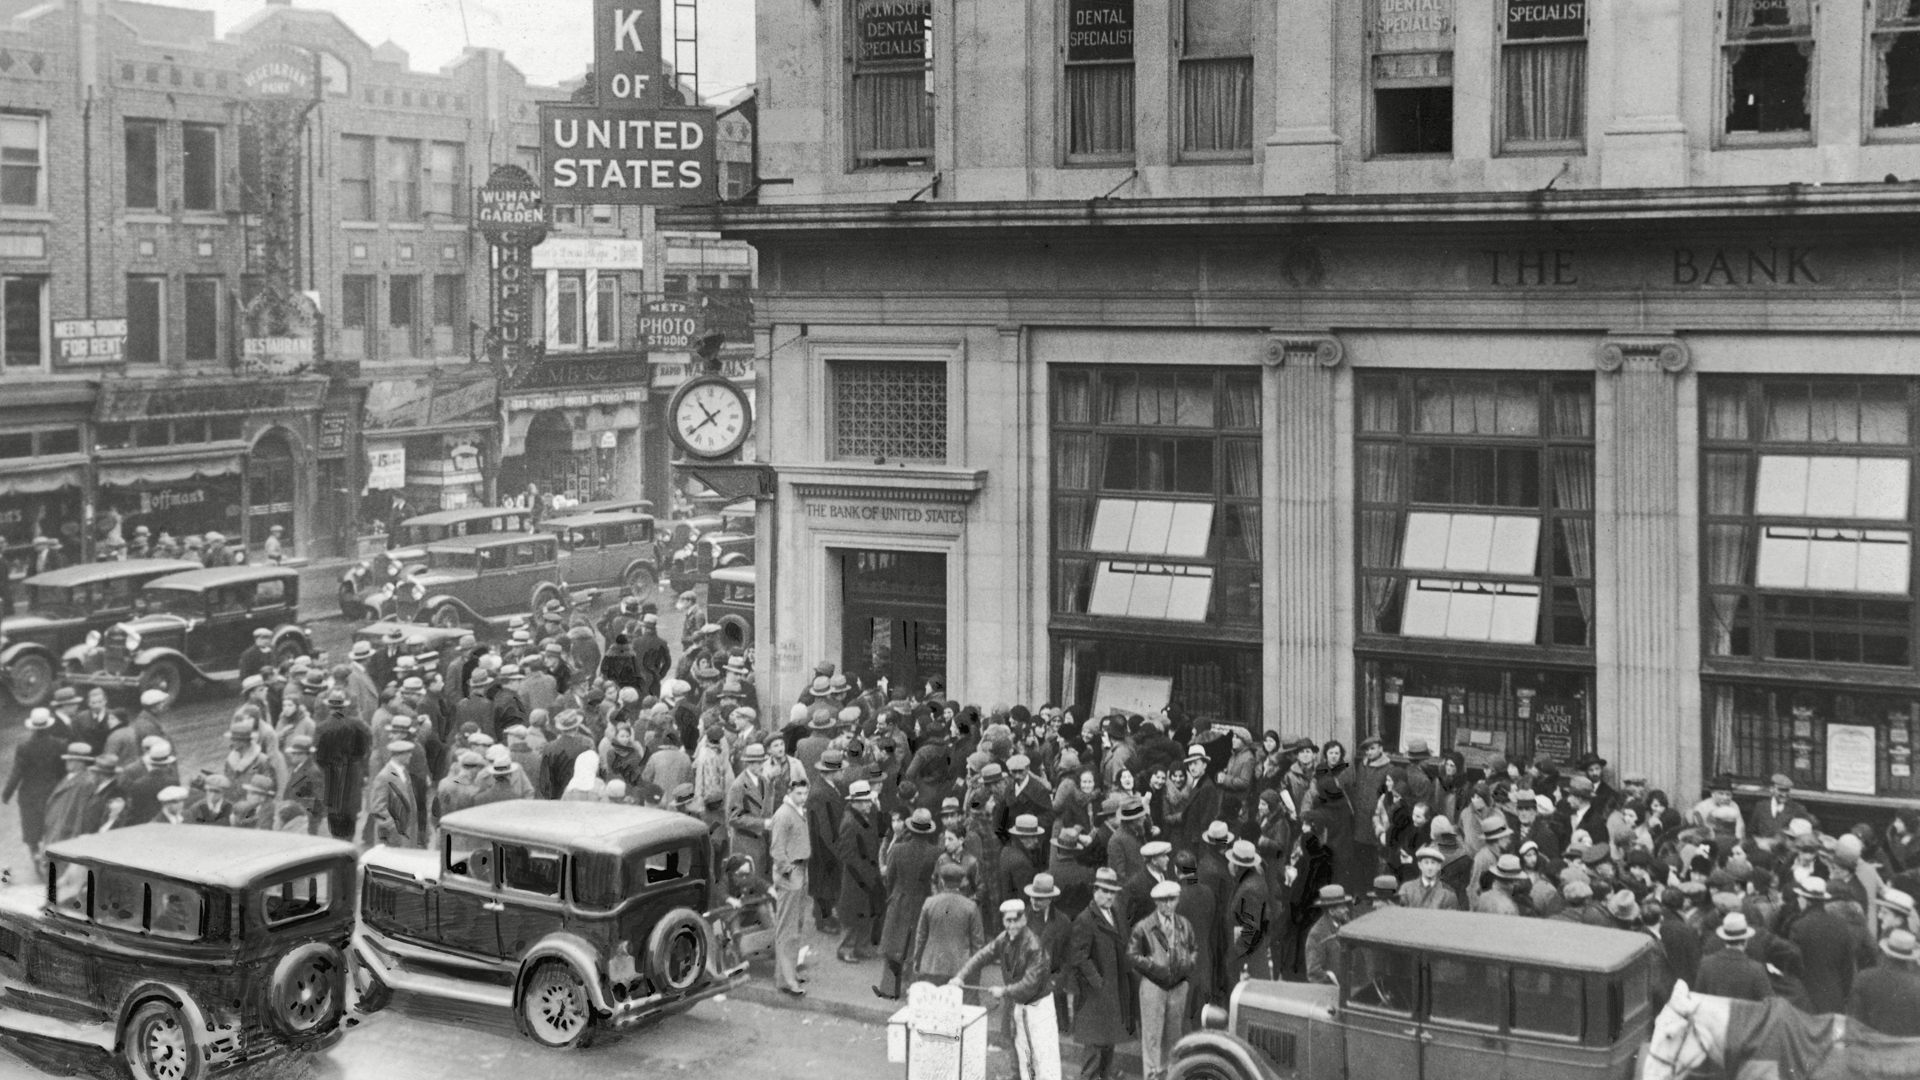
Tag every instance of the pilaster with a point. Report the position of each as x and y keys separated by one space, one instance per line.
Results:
x=1300 y=542
x=1302 y=153
x=1644 y=142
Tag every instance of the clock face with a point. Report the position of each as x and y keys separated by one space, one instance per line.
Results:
x=711 y=418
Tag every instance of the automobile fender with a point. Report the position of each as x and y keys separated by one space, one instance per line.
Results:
x=1226 y=1045
x=649 y=565
x=573 y=949
x=26 y=648
x=145 y=657
x=291 y=632
x=77 y=655
x=465 y=609
x=217 y=1038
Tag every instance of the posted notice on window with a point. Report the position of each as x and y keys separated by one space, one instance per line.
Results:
x=1850 y=759
x=1420 y=722
x=1145 y=695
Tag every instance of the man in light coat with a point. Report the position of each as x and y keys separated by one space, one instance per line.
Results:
x=1162 y=951
x=392 y=817
x=789 y=849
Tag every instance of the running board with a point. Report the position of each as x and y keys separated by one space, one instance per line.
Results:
x=397 y=977
x=20 y=1021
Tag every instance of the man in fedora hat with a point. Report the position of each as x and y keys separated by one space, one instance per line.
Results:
x=1886 y=997
x=37 y=769
x=1826 y=947
x=907 y=872
x=214 y=806
x=1323 y=948
x=1054 y=928
x=392 y=814
x=306 y=785
x=1072 y=865
x=556 y=758
x=1498 y=897
x=1021 y=857
x=1495 y=837
x=1129 y=819
x=255 y=808
x=1250 y=915
x=862 y=894
x=1026 y=988
x=67 y=803
x=652 y=658
x=156 y=769
x=826 y=808
x=70 y=717
x=342 y=746
x=749 y=809
x=1727 y=971
x=1104 y=1000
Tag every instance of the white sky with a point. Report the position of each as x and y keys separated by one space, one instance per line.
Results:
x=549 y=40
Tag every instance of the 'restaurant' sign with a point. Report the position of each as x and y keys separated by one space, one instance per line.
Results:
x=1100 y=30
x=626 y=53
x=897 y=29
x=621 y=155
x=1546 y=19
x=509 y=200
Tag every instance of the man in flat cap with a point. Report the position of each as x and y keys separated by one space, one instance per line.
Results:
x=1026 y=988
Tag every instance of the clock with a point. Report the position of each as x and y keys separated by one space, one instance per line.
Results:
x=709 y=416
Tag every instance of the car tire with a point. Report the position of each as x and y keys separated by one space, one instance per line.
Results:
x=31 y=680
x=1206 y=1066
x=307 y=996
x=736 y=632
x=165 y=676
x=641 y=581
x=350 y=604
x=370 y=993
x=555 y=1009
x=677 y=951
x=446 y=616
x=157 y=1044
x=286 y=650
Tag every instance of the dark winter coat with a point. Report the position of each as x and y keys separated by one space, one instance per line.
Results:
x=340 y=747
x=1103 y=980
x=826 y=807
x=1826 y=950
x=909 y=879
x=857 y=848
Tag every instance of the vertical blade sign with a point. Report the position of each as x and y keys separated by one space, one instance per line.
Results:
x=626 y=54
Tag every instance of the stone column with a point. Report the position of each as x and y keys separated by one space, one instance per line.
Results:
x=1299 y=538
x=1646 y=632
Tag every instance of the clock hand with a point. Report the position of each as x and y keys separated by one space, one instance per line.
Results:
x=711 y=419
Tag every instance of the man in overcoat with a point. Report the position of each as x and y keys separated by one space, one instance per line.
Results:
x=341 y=745
x=1826 y=948
x=37 y=769
x=1104 y=997
x=826 y=807
x=392 y=815
x=857 y=850
x=1886 y=997
x=908 y=873
x=1249 y=917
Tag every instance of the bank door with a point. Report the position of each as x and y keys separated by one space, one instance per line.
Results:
x=894 y=615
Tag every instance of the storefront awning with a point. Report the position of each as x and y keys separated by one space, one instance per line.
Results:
x=397 y=408
x=35 y=477
x=168 y=471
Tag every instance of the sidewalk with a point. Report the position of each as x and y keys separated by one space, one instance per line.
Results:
x=846 y=991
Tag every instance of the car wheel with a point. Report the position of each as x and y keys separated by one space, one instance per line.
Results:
x=31 y=678
x=164 y=676
x=641 y=582
x=1205 y=1066
x=677 y=952
x=308 y=991
x=446 y=616
x=158 y=1044
x=370 y=993
x=736 y=632
x=554 y=1006
x=350 y=604
x=286 y=651
x=544 y=593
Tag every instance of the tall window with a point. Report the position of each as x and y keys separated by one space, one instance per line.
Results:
x=203 y=318
x=403 y=316
x=356 y=314
x=1412 y=43
x=23 y=323
x=356 y=178
x=403 y=179
x=569 y=311
x=895 y=410
x=1543 y=73
x=448 y=173
x=1769 y=57
x=449 y=314
x=1896 y=54
x=1099 y=75
x=1476 y=508
x=893 y=82
x=200 y=167
x=606 y=311
x=146 y=319
x=1216 y=78
x=143 y=164
x=23 y=157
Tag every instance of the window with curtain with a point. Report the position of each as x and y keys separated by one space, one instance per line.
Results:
x=1156 y=494
x=1412 y=46
x=1216 y=78
x=1767 y=66
x=1475 y=504
x=1099 y=80
x=403 y=179
x=1754 y=731
x=893 y=82
x=1543 y=76
x=1895 y=83
x=569 y=313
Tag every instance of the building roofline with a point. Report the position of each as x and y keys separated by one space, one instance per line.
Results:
x=1597 y=206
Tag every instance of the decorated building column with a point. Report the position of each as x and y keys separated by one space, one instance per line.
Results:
x=1647 y=632
x=1300 y=536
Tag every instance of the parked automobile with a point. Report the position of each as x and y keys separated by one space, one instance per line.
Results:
x=55 y=611
x=607 y=548
x=475 y=580
x=421 y=638
x=609 y=506
x=691 y=563
x=194 y=627
x=368 y=577
x=1441 y=995
x=730 y=605
x=184 y=950
x=574 y=915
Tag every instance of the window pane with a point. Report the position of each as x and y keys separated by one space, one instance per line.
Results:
x=892 y=410
x=20 y=163
x=1723 y=410
x=607 y=311
x=1546 y=1001
x=1382 y=978
x=567 y=328
x=1216 y=104
x=403 y=178
x=143 y=165
x=119 y=901
x=1767 y=87
x=177 y=911
x=1379 y=404
x=1100 y=109
x=1411 y=119
x=20 y=332
x=1896 y=100
x=1072 y=397
x=530 y=869
x=200 y=167
x=1468 y=992
x=203 y=318
x=893 y=117
x=1217 y=27
x=1546 y=92
x=145 y=326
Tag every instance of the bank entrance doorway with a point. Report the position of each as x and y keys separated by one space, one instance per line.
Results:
x=894 y=615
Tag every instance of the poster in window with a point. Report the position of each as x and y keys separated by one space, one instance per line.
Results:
x=386 y=466
x=1534 y=19
x=1850 y=759
x=1144 y=695
x=1413 y=25
x=893 y=29
x=1099 y=30
x=1420 y=722
x=1769 y=18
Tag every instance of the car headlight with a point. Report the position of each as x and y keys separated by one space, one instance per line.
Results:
x=1213 y=1018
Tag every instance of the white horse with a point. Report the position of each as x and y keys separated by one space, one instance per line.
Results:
x=1748 y=1040
x=1690 y=1032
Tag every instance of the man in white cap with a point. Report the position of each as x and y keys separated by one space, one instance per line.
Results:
x=1163 y=952
x=1026 y=988
x=258 y=655
x=1427 y=890
x=392 y=817
x=1138 y=897
x=173 y=806
x=37 y=769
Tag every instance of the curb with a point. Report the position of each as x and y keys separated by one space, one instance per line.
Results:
x=1125 y=1057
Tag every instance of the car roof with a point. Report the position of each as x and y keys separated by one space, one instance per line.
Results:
x=645 y=506
x=606 y=828
x=469 y=513
x=426 y=632
x=214 y=577
x=596 y=517
x=86 y=573
x=486 y=540
x=1510 y=938
x=739 y=575
x=208 y=854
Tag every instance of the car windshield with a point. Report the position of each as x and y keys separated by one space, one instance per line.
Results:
x=607 y=881
x=54 y=602
x=417 y=535
x=445 y=559
x=175 y=602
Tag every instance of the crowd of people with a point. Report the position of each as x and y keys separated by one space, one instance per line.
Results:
x=1121 y=871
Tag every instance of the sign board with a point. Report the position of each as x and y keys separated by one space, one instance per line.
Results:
x=1851 y=758
x=278 y=71
x=386 y=466
x=510 y=339
x=508 y=200
x=897 y=29
x=90 y=341
x=1412 y=26
x=1420 y=719
x=275 y=355
x=626 y=53
x=626 y=156
x=670 y=325
x=1142 y=694
x=668 y=374
x=555 y=373
x=1100 y=30
x=122 y=399
x=1531 y=19
x=333 y=433
x=1553 y=730
x=590 y=253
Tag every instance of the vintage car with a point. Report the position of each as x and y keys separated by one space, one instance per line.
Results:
x=609 y=506
x=478 y=581
x=574 y=915
x=606 y=549
x=370 y=576
x=699 y=546
x=421 y=638
x=56 y=610
x=184 y=950
x=730 y=605
x=1441 y=995
x=194 y=627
